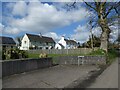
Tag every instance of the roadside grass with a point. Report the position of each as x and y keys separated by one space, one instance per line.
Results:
x=111 y=56
x=97 y=52
x=33 y=55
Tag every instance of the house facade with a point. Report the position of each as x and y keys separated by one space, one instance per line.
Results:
x=66 y=44
x=30 y=41
x=7 y=43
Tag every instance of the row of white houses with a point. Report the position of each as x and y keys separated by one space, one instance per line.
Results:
x=30 y=41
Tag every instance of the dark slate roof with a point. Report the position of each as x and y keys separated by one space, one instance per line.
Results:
x=61 y=45
x=7 y=40
x=71 y=41
x=40 y=38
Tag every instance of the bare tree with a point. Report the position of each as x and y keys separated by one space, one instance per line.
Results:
x=106 y=13
x=103 y=11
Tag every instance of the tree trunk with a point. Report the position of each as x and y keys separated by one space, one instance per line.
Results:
x=104 y=41
x=104 y=35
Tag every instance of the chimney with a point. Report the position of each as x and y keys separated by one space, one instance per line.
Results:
x=75 y=40
x=40 y=34
x=68 y=38
x=62 y=37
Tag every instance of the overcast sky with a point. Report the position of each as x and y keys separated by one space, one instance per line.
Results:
x=50 y=18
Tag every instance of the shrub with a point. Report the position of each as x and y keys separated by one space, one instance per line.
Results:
x=14 y=54
x=112 y=54
x=97 y=52
x=43 y=55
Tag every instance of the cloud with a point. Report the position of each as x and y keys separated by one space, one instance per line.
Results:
x=55 y=36
x=81 y=33
x=43 y=17
x=20 y=8
x=9 y=30
x=114 y=32
x=97 y=31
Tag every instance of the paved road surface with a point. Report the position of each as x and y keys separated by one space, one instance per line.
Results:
x=55 y=77
x=109 y=78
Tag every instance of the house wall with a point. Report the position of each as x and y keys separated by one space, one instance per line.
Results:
x=67 y=45
x=25 y=46
x=41 y=45
x=63 y=42
x=57 y=46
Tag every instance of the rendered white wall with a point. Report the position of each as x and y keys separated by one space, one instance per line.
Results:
x=25 y=46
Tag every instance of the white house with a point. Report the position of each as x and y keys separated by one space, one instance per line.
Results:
x=66 y=44
x=30 y=41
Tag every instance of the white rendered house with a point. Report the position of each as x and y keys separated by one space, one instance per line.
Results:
x=30 y=41
x=66 y=44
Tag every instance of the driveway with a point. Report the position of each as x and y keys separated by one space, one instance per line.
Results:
x=59 y=76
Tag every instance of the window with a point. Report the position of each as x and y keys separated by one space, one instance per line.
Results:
x=46 y=43
x=25 y=42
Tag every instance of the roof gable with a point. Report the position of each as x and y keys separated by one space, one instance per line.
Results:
x=7 y=40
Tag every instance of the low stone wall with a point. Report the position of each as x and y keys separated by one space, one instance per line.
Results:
x=90 y=60
x=10 y=67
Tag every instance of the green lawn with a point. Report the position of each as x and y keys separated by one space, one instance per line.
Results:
x=36 y=55
x=33 y=55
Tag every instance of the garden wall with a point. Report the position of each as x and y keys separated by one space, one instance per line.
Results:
x=10 y=67
x=80 y=60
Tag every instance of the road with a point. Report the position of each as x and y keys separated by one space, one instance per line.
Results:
x=109 y=78
x=54 y=77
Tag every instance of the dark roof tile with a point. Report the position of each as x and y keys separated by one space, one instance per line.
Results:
x=7 y=40
x=70 y=41
x=40 y=38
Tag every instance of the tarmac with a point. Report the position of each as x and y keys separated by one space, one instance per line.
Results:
x=65 y=76
x=59 y=76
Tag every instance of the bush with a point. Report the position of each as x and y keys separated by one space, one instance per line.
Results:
x=43 y=55
x=14 y=54
x=97 y=52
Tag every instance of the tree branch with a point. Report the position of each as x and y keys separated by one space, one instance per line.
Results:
x=90 y=6
x=112 y=7
x=116 y=11
x=108 y=11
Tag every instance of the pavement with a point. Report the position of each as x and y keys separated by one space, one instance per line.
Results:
x=59 y=76
x=109 y=78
